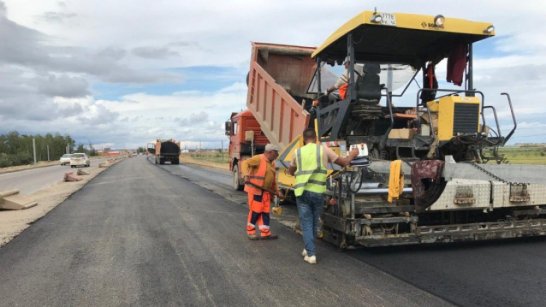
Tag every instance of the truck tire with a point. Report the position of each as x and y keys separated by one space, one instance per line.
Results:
x=161 y=161
x=237 y=186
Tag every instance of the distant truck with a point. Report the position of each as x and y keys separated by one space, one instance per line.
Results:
x=167 y=151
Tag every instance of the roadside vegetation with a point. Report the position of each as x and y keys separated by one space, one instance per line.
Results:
x=215 y=156
x=524 y=154
x=521 y=154
x=16 y=149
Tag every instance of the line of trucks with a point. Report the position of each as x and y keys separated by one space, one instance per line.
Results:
x=455 y=186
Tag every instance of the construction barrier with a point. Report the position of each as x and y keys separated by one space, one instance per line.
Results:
x=70 y=177
x=82 y=172
x=12 y=200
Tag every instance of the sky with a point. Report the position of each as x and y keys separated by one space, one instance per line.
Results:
x=122 y=73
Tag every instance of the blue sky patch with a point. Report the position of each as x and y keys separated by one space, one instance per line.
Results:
x=194 y=78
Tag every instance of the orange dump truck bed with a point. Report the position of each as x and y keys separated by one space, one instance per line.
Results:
x=278 y=80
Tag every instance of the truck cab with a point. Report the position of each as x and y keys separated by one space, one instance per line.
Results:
x=245 y=140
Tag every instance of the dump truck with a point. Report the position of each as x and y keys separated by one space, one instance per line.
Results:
x=276 y=101
x=430 y=171
x=167 y=151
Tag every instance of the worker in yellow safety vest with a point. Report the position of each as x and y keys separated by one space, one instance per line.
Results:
x=261 y=186
x=309 y=167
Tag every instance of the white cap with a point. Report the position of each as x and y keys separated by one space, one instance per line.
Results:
x=271 y=147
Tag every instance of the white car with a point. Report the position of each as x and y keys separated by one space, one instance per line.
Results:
x=65 y=159
x=79 y=159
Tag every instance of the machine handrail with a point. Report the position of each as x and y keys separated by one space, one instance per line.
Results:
x=513 y=118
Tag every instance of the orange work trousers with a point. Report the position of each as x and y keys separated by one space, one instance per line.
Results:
x=259 y=206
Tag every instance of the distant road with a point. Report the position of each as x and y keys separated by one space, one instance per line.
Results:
x=31 y=180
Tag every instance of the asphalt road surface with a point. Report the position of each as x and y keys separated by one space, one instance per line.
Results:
x=139 y=235
x=32 y=180
x=496 y=273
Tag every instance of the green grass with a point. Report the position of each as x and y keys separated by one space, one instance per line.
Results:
x=514 y=155
x=216 y=157
x=524 y=155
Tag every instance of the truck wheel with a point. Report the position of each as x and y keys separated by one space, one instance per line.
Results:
x=235 y=182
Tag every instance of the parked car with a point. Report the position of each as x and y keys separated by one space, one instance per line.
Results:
x=79 y=159
x=65 y=159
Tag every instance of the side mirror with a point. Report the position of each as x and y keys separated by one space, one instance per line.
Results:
x=228 y=127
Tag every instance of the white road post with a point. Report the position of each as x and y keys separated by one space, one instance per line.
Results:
x=34 y=149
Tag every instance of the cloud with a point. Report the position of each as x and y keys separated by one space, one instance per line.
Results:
x=195 y=119
x=178 y=60
x=56 y=16
x=154 y=52
x=63 y=85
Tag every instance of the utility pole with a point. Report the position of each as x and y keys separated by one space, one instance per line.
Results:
x=222 y=150
x=34 y=149
x=48 y=153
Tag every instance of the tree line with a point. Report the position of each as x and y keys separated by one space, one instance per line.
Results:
x=16 y=149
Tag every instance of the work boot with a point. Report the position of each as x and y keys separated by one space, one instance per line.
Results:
x=310 y=259
x=251 y=231
x=264 y=231
x=304 y=253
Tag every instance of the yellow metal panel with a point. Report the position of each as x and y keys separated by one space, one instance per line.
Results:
x=446 y=107
x=446 y=114
x=285 y=180
x=409 y=21
x=433 y=105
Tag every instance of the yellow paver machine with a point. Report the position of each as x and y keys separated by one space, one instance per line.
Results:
x=441 y=187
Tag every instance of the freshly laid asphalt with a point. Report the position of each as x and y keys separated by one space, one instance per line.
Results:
x=494 y=273
x=139 y=235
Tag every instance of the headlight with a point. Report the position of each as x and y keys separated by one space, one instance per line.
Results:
x=490 y=29
x=439 y=20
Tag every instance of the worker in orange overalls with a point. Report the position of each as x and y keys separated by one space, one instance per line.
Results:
x=342 y=83
x=261 y=186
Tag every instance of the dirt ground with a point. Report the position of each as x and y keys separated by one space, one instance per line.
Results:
x=186 y=158
x=13 y=222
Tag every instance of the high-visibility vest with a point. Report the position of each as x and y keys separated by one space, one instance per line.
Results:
x=310 y=174
x=257 y=178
